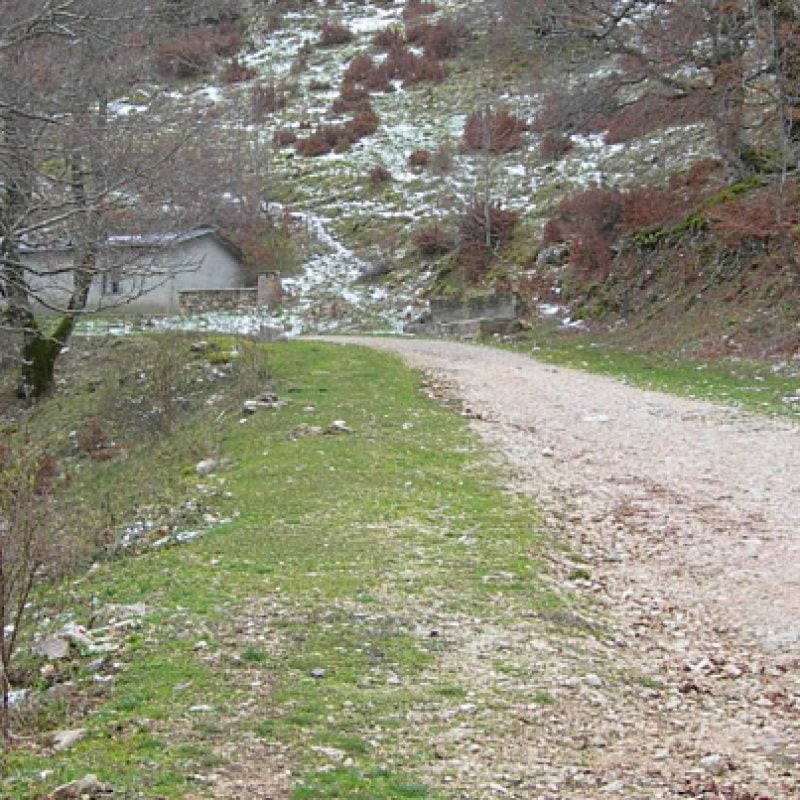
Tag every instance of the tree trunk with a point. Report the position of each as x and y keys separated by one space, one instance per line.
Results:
x=39 y=357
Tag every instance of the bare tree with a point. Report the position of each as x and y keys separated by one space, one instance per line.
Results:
x=73 y=171
x=733 y=63
x=33 y=542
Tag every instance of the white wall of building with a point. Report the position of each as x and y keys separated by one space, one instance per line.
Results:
x=139 y=279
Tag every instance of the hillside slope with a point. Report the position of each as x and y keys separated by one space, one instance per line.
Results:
x=384 y=206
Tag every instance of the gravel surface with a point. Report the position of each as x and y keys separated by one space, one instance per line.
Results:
x=687 y=518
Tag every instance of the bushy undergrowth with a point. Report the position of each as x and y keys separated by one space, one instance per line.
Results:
x=418 y=8
x=769 y=215
x=379 y=175
x=493 y=131
x=488 y=223
x=192 y=52
x=599 y=108
x=433 y=240
x=235 y=72
x=338 y=138
x=334 y=33
x=267 y=99
x=439 y=40
x=391 y=38
x=594 y=220
x=419 y=158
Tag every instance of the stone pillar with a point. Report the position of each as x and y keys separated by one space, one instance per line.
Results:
x=270 y=290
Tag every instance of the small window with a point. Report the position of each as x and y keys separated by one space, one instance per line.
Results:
x=111 y=282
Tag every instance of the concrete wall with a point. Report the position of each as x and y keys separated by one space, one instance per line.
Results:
x=470 y=318
x=139 y=279
x=504 y=306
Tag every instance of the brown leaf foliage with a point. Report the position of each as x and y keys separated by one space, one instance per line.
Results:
x=493 y=131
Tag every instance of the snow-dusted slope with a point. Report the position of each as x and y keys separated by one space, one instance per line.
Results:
x=331 y=196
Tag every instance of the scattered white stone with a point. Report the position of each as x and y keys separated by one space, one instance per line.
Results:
x=186 y=536
x=63 y=740
x=52 y=649
x=76 y=634
x=88 y=786
x=333 y=753
x=714 y=764
x=338 y=426
x=205 y=467
x=596 y=419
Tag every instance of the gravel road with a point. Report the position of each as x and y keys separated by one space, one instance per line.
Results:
x=687 y=515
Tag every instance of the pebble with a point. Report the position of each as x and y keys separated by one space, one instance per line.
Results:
x=206 y=466
x=89 y=786
x=63 y=740
x=714 y=764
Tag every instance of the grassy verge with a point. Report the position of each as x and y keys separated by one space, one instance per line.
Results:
x=755 y=386
x=316 y=632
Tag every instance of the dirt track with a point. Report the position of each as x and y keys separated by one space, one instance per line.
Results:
x=688 y=517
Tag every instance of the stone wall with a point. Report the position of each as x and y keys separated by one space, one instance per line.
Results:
x=268 y=294
x=199 y=300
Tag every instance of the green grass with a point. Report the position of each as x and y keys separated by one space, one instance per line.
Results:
x=304 y=622
x=752 y=385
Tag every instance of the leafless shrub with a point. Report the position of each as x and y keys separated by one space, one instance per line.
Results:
x=426 y=69
x=487 y=223
x=493 y=131
x=418 y=8
x=364 y=123
x=576 y=110
x=338 y=138
x=350 y=97
x=379 y=175
x=554 y=145
x=192 y=51
x=235 y=72
x=300 y=63
x=433 y=240
x=359 y=69
x=442 y=159
x=419 y=158
x=36 y=543
x=442 y=39
x=92 y=437
x=390 y=38
x=334 y=33
x=319 y=86
x=474 y=258
x=267 y=99
x=284 y=137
